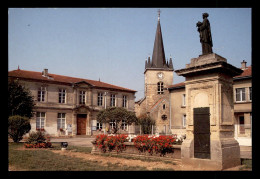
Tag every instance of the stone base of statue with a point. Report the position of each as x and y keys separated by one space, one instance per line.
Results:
x=210 y=142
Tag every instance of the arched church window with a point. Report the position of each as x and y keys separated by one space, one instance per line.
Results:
x=160 y=88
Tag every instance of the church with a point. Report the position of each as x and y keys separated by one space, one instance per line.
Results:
x=158 y=74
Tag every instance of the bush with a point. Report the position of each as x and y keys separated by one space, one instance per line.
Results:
x=146 y=123
x=18 y=126
x=36 y=137
x=161 y=144
x=105 y=142
x=37 y=140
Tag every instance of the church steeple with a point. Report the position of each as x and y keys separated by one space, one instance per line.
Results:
x=158 y=57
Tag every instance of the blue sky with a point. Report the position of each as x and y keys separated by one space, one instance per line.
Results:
x=113 y=43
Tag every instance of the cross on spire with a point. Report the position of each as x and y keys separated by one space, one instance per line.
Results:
x=159 y=11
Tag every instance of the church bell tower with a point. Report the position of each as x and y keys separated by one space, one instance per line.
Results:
x=158 y=71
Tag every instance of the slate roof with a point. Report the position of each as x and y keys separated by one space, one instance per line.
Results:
x=158 y=57
x=63 y=79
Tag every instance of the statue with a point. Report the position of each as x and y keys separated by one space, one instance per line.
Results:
x=205 y=35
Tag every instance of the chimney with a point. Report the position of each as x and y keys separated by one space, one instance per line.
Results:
x=45 y=72
x=243 y=65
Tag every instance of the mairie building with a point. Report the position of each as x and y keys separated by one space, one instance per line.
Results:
x=68 y=106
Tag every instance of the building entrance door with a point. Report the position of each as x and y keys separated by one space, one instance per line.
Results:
x=81 y=124
x=201 y=133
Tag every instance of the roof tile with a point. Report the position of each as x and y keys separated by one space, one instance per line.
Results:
x=63 y=79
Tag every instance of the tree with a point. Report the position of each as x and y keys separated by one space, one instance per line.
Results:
x=20 y=101
x=146 y=123
x=116 y=115
x=18 y=126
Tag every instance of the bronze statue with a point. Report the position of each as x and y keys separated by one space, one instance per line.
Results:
x=205 y=35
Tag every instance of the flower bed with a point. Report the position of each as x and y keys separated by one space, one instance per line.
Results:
x=109 y=143
x=38 y=145
x=162 y=146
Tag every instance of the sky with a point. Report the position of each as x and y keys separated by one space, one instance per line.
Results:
x=112 y=44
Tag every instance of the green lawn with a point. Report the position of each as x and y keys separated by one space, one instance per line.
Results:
x=46 y=160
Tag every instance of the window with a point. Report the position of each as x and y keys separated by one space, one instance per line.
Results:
x=160 y=87
x=112 y=100
x=40 y=120
x=99 y=126
x=124 y=125
x=82 y=97
x=250 y=93
x=184 y=121
x=100 y=99
x=61 y=121
x=183 y=99
x=241 y=125
x=62 y=95
x=164 y=106
x=41 y=93
x=112 y=124
x=240 y=94
x=124 y=101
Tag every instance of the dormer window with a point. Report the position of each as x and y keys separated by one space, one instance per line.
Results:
x=160 y=88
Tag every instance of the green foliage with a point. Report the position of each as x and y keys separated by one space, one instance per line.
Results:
x=20 y=101
x=18 y=126
x=37 y=140
x=116 y=114
x=36 y=137
x=146 y=123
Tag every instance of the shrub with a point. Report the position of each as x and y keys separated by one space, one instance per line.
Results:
x=161 y=144
x=100 y=139
x=105 y=142
x=37 y=140
x=36 y=137
x=18 y=126
x=146 y=123
x=144 y=143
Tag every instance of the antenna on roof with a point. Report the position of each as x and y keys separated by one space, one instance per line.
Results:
x=99 y=79
x=18 y=68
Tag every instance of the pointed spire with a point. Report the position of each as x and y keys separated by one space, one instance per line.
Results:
x=170 y=63
x=159 y=14
x=149 y=63
x=158 y=60
x=158 y=57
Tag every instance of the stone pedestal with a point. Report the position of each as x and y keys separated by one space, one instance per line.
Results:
x=209 y=84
